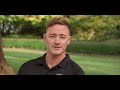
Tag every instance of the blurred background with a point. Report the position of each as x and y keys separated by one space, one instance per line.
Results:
x=95 y=42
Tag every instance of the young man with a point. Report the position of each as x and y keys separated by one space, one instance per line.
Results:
x=55 y=61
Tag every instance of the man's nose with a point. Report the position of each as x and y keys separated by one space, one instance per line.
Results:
x=57 y=40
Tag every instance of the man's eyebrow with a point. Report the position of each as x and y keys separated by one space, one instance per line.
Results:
x=62 y=34
x=52 y=34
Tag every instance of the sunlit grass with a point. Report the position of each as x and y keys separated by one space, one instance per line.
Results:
x=92 y=65
x=106 y=47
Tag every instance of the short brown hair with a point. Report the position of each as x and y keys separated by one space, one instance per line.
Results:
x=58 y=20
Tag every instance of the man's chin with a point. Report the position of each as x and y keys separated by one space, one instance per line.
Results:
x=57 y=53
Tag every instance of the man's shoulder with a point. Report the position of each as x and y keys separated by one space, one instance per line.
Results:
x=30 y=66
x=31 y=62
x=77 y=69
x=73 y=64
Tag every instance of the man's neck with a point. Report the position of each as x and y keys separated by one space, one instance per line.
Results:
x=53 y=60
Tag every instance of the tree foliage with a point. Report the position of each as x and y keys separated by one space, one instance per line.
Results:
x=84 y=27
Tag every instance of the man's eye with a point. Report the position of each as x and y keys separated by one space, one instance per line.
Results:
x=52 y=36
x=63 y=37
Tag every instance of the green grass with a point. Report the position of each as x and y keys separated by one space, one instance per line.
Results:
x=106 y=47
x=24 y=43
x=99 y=65
x=92 y=65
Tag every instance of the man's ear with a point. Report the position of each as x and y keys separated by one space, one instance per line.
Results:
x=69 y=40
x=44 y=36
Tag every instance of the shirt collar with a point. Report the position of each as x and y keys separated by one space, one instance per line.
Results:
x=41 y=61
x=64 y=62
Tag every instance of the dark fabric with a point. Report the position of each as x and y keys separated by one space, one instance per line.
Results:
x=38 y=66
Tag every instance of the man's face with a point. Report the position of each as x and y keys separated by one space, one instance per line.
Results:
x=57 y=38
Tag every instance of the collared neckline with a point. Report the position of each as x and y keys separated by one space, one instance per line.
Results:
x=66 y=59
x=64 y=62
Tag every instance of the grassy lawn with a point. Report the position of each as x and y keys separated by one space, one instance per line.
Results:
x=105 y=47
x=92 y=65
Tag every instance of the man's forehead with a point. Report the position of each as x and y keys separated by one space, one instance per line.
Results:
x=58 y=30
x=58 y=26
x=57 y=33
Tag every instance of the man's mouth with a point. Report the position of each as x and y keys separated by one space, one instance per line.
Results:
x=56 y=47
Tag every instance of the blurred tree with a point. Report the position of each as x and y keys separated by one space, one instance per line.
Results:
x=84 y=27
x=5 y=68
x=90 y=27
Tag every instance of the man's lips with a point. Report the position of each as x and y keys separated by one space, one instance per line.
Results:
x=56 y=47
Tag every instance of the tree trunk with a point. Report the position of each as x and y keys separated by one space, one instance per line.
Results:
x=5 y=69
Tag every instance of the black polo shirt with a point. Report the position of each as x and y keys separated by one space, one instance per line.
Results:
x=38 y=66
